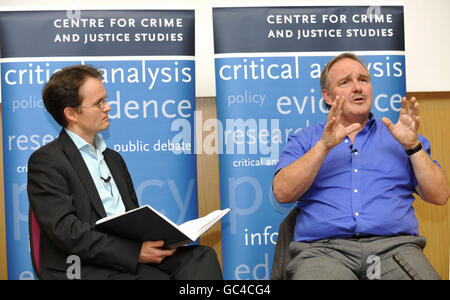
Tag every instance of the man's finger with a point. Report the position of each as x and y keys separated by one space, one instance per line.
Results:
x=415 y=106
x=329 y=124
x=404 y=107
x=387 y=123
x=332 y=110
x=156 y=244
x=352 y=128
x=411 y=107
x=165 y=253
x=340 y=104
x=416 y=123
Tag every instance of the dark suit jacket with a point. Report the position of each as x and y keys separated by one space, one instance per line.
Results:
x=66 y=204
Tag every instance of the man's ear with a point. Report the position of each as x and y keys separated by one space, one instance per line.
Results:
x=327 y=97
x=70 y=114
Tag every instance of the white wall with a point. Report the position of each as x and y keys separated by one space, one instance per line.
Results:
x=427 y=45
x=426 y=37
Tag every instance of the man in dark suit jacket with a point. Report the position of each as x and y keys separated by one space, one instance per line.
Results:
x=68 y=193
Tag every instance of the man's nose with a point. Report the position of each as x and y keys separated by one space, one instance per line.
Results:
x=357 y=87
x=107 y=107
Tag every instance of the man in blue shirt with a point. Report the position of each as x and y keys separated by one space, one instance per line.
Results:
x=353 y=178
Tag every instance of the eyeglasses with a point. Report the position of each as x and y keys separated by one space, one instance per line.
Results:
x=100 y=105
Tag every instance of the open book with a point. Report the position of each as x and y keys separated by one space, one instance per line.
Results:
x=146 y=224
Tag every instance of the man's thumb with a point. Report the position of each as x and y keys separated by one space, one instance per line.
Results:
x=387 y=123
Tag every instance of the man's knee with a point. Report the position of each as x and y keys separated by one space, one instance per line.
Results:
x=208 y=252
x=402 y=258
x=408 y=263
x=201 y=264
x=204 y=255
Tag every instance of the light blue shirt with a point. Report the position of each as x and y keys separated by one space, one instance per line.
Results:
x=365 y=189
x=108 y=192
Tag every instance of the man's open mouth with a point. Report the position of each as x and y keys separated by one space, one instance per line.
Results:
x=358 y=98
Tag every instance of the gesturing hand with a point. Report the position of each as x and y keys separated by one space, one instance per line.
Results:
x=334 y=132
x=406 y=130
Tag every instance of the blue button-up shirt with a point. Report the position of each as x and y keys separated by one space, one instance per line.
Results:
x=362 y=188
x=95 y=162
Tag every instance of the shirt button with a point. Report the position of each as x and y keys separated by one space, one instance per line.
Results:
x=346 y=141
x=356 y=213
x=356 y=153
x=355 y=190
x=355 y=170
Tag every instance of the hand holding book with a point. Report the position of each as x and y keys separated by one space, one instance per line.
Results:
x=152 y=252
x=146 y=224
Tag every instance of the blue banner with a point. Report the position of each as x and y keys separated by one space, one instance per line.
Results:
x=268 y=65
x=148 y=66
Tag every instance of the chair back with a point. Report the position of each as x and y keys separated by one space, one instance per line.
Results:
x=35 y=236
x=282 y=256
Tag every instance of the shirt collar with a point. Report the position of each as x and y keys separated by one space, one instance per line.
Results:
x=369 y=124
x=371 y=120
x=99 y=142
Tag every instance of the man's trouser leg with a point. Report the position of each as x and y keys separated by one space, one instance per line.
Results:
x=361 y=258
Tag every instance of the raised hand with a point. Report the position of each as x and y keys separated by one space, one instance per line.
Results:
x=334 y=132
x=406 y=130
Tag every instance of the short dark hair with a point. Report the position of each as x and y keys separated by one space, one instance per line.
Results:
x=61 y=90
x=325 y=76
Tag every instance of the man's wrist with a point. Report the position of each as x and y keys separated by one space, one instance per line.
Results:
x=323 y=146
x=414 y=150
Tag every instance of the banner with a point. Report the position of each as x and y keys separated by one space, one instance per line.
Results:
x=148 y=66
x=268 y=62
